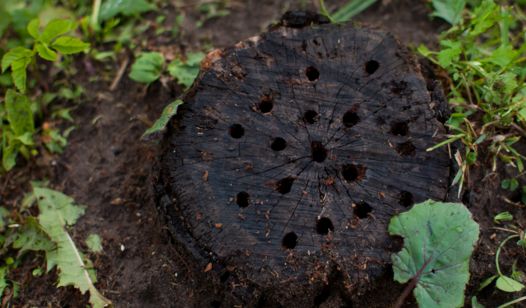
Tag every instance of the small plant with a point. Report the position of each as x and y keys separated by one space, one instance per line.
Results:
x=150 y=66
x=515 y=281
x=17 y=112
x=484 y=55
x=438 y=242
x=346 y=12
x=47 y=233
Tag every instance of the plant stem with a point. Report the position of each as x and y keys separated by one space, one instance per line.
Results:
x=94 y=22
x=520 y=299
x=412 y=284
x=497 y=255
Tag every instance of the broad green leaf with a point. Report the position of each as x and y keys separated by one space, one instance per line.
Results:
x=69 y=45
x=33 y=28
x=508 y=284
x=45 y=53
x=185 y=72
x=56 y=28
x=94 y=243
x=147 y=67
x=57 y=211
x=504 y=55
x=168 y=112
x=438 y=241
x=19 y=113
x=449 y=10
x=112 y=8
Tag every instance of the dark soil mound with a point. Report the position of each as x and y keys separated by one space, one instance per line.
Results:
x=293 y=150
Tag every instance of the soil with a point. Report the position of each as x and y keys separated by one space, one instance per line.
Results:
x=109 y=169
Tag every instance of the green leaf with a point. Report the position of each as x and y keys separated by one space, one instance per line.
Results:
x=94 y=243
x=186 y=72
x=33 y=28
x=112 y=8
x=45 y=53
x=19 y=113
x=18 y=59
x=450 y=54
x=449 y=10
x=475 y=303
x=56 y=28
x=56 y=212
x=508 y=284
x=168 y=112
x=69 y=45
x=351 y=9
x=504 y=55
x=9 y=154
x=31 y=237
x=438 y=241
x=147 y=68
x=503 y=216
x=3 y=280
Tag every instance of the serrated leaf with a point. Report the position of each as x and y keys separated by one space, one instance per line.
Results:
x=438 y=241
x=45 y=53
x=18 y=59
x=69 y=45
x=112 y=8
x=31 y=237
x=508 y=284
x=449 y=10
x=56 y=212
x=94 y=243
x=19 y=113
x=168 y=112
x=56 y=28
x=147 y=67
x=185 y=72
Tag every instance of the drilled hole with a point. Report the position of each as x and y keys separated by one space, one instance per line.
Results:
x=371 y=66
x=266 y=104
x=278 y=144
x=399 y=128
x=350 y=118
x=323 y=225
x=406 y=149
x=406 y=199
x=312 y=73
x=284 y=186
x=236 y=131
x=362 y=209
x=310 y=116
x=319 y=153
x=242 y=199
x=290 y=240
x=353 y=172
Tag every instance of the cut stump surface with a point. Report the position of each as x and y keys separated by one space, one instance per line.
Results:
x=292 y=152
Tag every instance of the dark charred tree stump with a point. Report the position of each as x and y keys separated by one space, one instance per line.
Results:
x=291 y=154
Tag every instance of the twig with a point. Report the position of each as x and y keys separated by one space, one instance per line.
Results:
x=401 y=299
x=118 y=77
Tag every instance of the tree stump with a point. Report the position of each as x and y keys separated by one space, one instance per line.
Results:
x=290 y=155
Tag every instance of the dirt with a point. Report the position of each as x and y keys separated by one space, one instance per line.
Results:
x=109 y=169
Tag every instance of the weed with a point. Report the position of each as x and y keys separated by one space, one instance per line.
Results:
x=439 y=239
x=484 y=55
